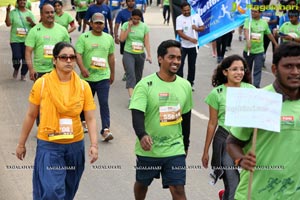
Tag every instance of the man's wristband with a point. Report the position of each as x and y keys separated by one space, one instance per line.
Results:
x=237 y=162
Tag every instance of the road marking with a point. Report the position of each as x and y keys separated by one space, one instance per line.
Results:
x=199 y=115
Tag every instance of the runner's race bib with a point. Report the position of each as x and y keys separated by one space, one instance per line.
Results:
x=21 y=32
x=83 y=4
x=115 y=3
x=255 y=37
x=267 y=19
x=170 y=115
x=137 y=47
x=139 y=6
x=65 y=130
x=98 y=63
x=48 y=51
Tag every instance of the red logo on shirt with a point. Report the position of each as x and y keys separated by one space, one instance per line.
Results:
x=287 y=118
x=163 y=94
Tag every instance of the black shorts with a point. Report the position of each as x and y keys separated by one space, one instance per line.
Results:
x=80 y=15
x=171 y=169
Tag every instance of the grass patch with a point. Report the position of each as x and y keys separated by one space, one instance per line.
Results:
x=12 y=2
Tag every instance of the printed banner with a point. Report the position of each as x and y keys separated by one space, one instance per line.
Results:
x=218 y=16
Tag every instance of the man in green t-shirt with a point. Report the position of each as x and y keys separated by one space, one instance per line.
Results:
x=41 y=40
x=290 y=31
x=276 y=161
x=255 y=29
x=96 y=60
x=21 y=21
x=81 y=8
x=161 y=110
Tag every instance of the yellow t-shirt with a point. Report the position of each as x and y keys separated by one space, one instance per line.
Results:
x=87 y=103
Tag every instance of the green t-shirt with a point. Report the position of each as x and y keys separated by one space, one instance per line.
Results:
x=19 y=25
x=82 y=5
x=217 y=99
x=166 y=3
x=42 y=40
x=289 y=28
x=95 y=51
x=65 y=19
x=259 y=28
x=135 y=39
x=278 y=153
x=163 y=104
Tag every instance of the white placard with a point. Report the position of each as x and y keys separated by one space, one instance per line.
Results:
x=253 y=108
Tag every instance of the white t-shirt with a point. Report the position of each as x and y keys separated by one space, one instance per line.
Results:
x=185 y=24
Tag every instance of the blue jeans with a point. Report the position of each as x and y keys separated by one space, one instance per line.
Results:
x=57 y=170
x=258 y=60
x=102 y=90
x=192 y=56
x=18 y=55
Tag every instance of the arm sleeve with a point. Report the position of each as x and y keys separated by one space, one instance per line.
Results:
x=138 y=122
x=186 y=127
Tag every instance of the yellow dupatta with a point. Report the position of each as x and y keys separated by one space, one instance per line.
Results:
x=54 y=105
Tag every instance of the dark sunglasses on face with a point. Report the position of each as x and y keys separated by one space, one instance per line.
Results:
x=65 y=58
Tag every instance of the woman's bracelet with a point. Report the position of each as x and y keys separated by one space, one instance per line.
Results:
x=94 y=145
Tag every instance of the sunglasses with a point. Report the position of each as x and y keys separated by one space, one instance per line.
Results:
x=235 y=69
x=65 y=58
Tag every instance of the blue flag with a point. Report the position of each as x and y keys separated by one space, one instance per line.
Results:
x=219 y=17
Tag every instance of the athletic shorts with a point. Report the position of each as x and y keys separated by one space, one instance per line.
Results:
x=172 y=170
x=80 y=15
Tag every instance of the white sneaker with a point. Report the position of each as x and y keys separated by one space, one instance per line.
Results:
x=107 y=135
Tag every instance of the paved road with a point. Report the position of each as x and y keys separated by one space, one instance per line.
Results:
x=113 y=175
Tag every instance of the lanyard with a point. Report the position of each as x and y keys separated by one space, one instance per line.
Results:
x=21 y=18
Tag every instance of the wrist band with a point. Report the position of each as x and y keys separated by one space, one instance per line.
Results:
x=94 y=145
x=237 y=162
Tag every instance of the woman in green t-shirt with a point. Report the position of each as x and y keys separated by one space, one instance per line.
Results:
x=63 y=18
x=136 y=35
x=232 y=72
x=21 y=20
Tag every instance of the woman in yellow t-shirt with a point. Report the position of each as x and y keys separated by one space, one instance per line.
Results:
x=60 y=96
